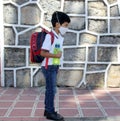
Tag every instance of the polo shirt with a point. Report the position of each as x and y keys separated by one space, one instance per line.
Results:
x=58 y=39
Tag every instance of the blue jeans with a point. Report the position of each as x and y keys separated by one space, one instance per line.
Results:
x=50 y=75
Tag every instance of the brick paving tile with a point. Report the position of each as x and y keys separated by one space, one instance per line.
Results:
x=88 y=104
x=2 y=90
x=39 y=112
x=104 y=97
x=113 y=112
x=100 y=94
x=111 y=104
x=67 y=104
x=40 y=105
x=92 y=113
x=24 y=105
x=42 y=97
x=8 y=97
x=5 y=104
x=20 y=112
x=31 y=91
x=3 y=111
x=85 y=98
x=117 y=97
x=27 y=98
x=69 y=112
x=67 y=98
x=82 y=92
x=98 y=90
x=13 y=91
x=115 y=91
x=65 y=91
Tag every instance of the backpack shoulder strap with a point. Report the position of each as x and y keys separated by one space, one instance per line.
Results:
x=51 y=33
x=52 y=40
x=52 y=37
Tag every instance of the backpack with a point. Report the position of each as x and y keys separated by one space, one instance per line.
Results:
x=36 y=42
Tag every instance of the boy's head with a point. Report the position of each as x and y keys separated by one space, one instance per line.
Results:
x=59 y=17
x=60 y=20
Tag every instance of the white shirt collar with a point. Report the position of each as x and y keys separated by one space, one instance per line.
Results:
x=57 y=35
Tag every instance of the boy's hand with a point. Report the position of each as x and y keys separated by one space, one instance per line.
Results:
x=59 y=54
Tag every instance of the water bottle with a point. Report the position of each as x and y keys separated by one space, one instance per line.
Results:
x=56 y=61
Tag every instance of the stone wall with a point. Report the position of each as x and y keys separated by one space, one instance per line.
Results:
x=91 y=48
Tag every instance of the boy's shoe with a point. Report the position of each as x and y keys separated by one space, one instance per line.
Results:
x=53 y=116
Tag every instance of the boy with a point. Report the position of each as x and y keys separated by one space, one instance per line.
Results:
x=60 y=22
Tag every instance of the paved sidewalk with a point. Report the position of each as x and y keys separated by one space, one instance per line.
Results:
x=74 y=104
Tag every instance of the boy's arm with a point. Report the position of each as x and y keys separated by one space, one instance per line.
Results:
x=46 y=53
x=46 y=47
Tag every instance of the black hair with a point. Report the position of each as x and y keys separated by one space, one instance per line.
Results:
x=59 y=17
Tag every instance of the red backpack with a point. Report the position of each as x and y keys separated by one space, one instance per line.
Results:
x=36 y=42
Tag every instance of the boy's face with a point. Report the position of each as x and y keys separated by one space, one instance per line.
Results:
x=62 y=28
x=65 y=24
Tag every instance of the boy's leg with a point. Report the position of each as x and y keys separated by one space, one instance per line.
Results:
x=50 y=76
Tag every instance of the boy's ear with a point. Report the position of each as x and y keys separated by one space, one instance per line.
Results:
x=57 y=24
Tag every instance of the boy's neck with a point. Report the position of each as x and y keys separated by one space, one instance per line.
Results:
x=56 y=30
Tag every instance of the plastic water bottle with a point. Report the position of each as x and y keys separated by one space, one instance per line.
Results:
x=56 y=61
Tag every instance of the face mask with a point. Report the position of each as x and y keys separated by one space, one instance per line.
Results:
x=63 y=30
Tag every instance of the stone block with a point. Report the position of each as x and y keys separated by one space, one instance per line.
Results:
x=15 y=57
x=20 y=2
x=87 y=39
x=115 y=25
x=76 y=65
x=24 y=39
x=113 y=79
x=38 y=79
x=10 y=14
x=96 y=67
x=30 y=15
x=20 y=29
x=114 y=11
x=47 y=21
x=97 y=9
x=99 y=26
x=70 y=39
x=74 y=7
x=91 y=54
x=112 y=1
x=69 y=77
x=23 y=78
x=110 y=39
x=107 y=54
x=77 y=23
x=49 y=6
x=95 y=80
x=9 y=78
x=74 y=54
x=9 y=36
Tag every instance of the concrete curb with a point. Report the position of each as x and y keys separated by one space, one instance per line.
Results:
x=94 y=119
